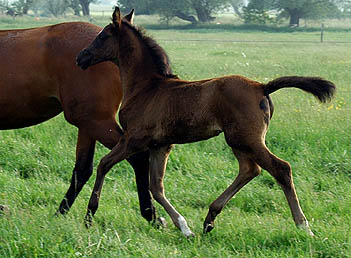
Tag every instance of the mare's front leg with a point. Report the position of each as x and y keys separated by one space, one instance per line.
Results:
x=82 y=171
x=158 y=162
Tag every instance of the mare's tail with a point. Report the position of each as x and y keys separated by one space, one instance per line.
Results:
x=320 y=88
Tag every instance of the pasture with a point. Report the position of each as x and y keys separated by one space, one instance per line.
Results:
x=36 y=163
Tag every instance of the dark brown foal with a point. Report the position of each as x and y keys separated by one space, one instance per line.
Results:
x=159 y=110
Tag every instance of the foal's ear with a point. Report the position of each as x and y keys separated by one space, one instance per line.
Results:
x=116 y=17
x=130 y=17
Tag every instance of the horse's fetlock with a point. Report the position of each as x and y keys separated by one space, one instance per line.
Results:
x=148 y=214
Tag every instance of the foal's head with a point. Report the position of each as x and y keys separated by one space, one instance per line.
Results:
x=104 y=47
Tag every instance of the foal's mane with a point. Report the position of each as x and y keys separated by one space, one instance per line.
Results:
x=158 y=54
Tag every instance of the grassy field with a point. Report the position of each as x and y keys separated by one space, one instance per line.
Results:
x=36 y=163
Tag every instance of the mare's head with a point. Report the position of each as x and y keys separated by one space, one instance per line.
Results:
x=105 y=45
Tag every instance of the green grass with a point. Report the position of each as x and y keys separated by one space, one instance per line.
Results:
x=36 y=165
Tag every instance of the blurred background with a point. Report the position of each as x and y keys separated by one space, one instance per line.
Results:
x=272 y=13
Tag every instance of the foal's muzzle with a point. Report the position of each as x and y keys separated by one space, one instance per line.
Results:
x=84 y=59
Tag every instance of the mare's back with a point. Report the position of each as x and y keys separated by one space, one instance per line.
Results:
x=39 y=77
x=27 y=51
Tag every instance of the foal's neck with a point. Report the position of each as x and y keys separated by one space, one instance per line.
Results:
x=136 y=64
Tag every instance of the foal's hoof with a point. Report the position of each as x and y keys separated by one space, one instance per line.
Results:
x=307 y=229
x=190 y=235
x=160 y=222
x=208 y=227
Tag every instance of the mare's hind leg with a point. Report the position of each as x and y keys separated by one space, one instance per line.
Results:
x=281 y=171
x=82 y=170
x=158 y=162
x=247 y=171
x=140 y=164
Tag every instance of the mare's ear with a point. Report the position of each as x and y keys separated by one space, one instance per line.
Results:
x=116 y=17
x=130 y=17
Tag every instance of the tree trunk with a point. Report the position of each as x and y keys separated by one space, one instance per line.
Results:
x=185 y=17
x=25 y=10
x=85 y=7
x=202 y=14
x=295 y=16
x=76 y=12
x=236 y=10
x=26 y=6
x=76 y=7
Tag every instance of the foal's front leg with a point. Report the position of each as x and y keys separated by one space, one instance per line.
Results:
x=158 y=162
x=117 y=154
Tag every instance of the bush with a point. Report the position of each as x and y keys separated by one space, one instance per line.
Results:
x=255 y=16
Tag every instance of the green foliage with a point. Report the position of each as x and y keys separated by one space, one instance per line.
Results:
x=56 y=7
x=75 y=6
x=183 y=9
x=256 y=16
x=297 y=9
x=22 y=6
x=18 y=7
x=140 y=6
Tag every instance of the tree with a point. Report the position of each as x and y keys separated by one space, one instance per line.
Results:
x=237 y=5
x=193 y=11
x=23 y=6
x=294 y=10
x=297 y=9
x=85 y=6
x=75 y=6
x=4 y=5
x=57 y=7
x=140 y=6
x=256 y=12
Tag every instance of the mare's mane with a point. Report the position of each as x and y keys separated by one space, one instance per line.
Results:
x=158 y=54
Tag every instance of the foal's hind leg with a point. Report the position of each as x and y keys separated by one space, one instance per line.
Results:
x=281 y=171
x=158 y=162
x=82 y=170
x=247 y=171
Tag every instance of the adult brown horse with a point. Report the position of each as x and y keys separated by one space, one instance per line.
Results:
x=39 y=79
x=159 y=110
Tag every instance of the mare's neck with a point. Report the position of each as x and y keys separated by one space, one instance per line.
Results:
x=137 y=67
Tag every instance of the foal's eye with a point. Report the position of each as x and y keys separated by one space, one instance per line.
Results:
x=102 y=36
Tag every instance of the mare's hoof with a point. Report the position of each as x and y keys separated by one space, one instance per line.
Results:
x=4 y=209
x=88 y=221
x=208 y=227
x=59 y=213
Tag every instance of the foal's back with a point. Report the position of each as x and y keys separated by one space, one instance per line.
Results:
x=177 y=111
x=39 y=78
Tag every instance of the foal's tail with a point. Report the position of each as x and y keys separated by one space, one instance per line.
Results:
x=320 y=88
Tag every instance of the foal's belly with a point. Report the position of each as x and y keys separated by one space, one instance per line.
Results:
x=186 y=134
